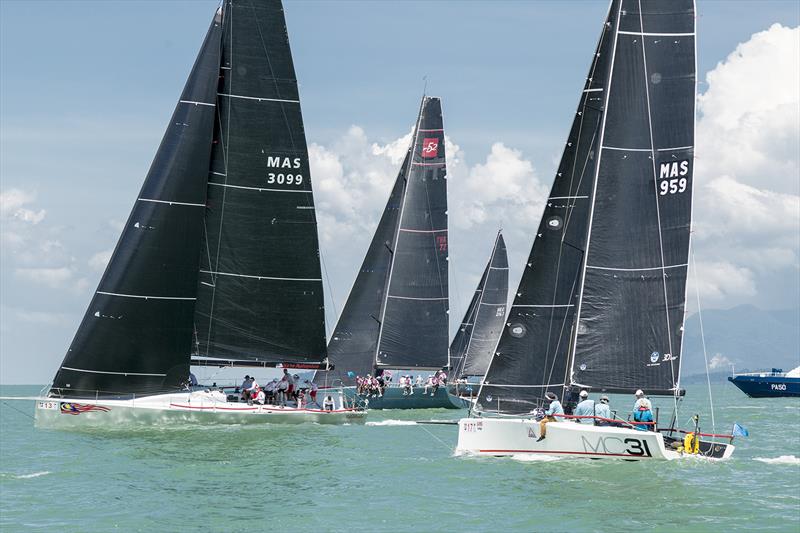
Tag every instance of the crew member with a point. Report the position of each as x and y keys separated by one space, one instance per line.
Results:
x=246 y=384
x=584 y=408
x=555 y=408
x=602 y=410
x=642 y=411
x=328 y=404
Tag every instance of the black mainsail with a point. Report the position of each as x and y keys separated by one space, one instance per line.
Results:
x=601 y=301
x=259 y=297
x=219 y=255
x=473 y=346
x=397 y=312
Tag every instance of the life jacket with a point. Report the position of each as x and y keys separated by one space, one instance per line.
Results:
x=691 y=444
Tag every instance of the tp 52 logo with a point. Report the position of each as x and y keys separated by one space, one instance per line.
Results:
x=430 y=147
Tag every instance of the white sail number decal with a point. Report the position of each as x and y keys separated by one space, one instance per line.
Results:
x=281 y=178
x=48 y=405
x=672 y=175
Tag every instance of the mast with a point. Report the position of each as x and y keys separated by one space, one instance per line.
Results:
x=259 y=296
x=135 y=336
x=414 y=320
x=633 y=290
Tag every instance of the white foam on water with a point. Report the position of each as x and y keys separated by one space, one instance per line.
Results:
x=35 y=474
x=534 y=458
x=782 y=460
x=392 y=423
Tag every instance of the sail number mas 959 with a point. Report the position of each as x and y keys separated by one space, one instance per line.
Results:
x=672 y=177
x=283 y=178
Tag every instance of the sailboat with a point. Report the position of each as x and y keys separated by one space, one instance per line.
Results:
x=601 y=302
x=218 y=263
x=395 y=320
x=474 y=343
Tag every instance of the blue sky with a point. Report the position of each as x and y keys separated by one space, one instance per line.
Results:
x=86 y=89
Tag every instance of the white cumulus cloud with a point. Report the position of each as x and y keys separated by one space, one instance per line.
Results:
x=747 y=176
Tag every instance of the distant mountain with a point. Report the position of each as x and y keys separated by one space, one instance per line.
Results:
x=745 y=336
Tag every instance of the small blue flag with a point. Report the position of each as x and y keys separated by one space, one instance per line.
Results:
x=739 y=431
x=351 y=374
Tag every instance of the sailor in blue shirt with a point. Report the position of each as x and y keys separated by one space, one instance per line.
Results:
x=585 y=408
x=554 y=409
x=602 y=409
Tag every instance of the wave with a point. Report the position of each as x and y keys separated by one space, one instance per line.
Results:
x=392 y=423
x=534 y=458
x=782 y=460
x=25 y=476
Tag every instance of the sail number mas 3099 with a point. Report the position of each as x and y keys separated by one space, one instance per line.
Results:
x=672 y=175
x=280 y=176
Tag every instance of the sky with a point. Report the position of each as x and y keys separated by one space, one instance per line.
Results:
x=87 y=88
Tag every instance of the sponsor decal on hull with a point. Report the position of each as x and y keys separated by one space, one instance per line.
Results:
x=69 y=408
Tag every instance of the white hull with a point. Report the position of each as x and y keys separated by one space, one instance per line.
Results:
x=195 y=407
x=519 y=436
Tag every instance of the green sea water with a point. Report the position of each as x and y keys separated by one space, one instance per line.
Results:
x=388 y=475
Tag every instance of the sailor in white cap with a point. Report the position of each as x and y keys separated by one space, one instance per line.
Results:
x=602 y=409
x=642 y=410
x=584 y=408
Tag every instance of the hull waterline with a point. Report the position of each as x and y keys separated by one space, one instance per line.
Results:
x=182 y=407
x=519 y=436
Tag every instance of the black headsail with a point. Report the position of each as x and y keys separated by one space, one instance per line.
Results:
x=533 y=352
x=352 y=345
x=136 y=334
x=630 y=316
x=474 y=343
x=414 y=318
x=259 y=297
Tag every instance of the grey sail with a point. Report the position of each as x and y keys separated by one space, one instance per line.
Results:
x=532 y=356
x=414 y=318
x=259 y=296
x=630 y=317
x=355 y=337
x=136 y=334
x=473 y=347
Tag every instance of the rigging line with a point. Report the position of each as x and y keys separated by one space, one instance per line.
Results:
x=595 y=179
x=443 y=443
x=224 y=145
x=330 y=290
x=17 y=410
x=691 y=198
x=703 y=338
x=655 y=190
